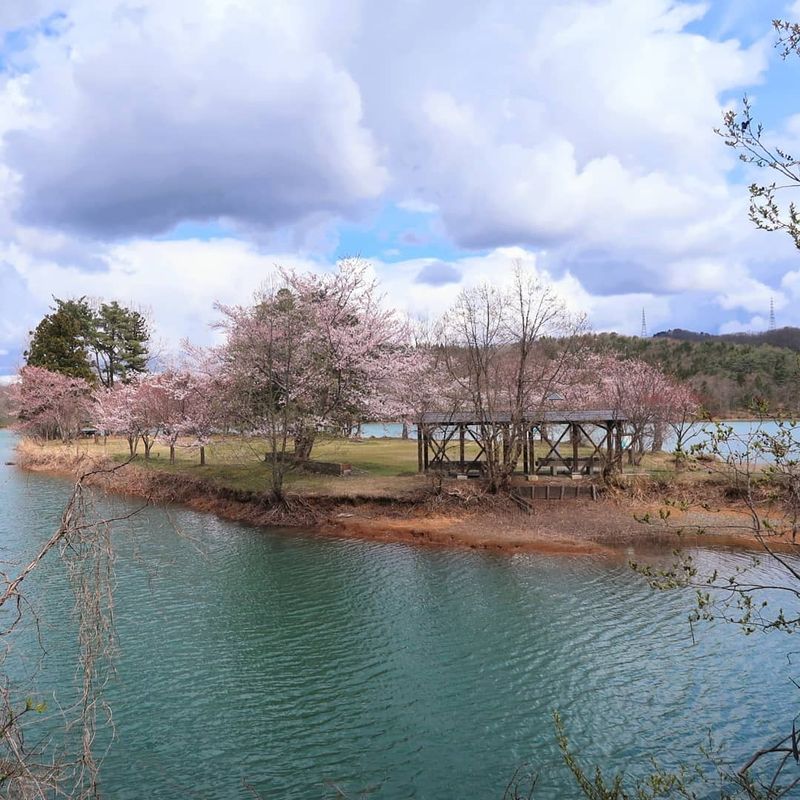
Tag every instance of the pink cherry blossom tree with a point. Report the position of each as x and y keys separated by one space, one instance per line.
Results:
x=314 y=352
x=113 y=413
x=52 y=405
x=194 y=411
x=168 y=397
x=649 y=400
x=154 y=407
x=356 y=348
x=138 y=410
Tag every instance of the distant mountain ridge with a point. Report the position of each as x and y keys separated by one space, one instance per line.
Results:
x=787 y=337
x=729 y=371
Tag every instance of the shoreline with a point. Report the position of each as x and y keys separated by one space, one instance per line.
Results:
x=607 y=527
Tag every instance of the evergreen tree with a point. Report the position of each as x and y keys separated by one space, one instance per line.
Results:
x=61 y=341
x=109 y=344
x=119 y=344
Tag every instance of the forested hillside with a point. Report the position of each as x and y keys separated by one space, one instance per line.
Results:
x=729 y=372
x=781 y=337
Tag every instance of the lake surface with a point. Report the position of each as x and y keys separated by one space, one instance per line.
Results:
x=293 y=662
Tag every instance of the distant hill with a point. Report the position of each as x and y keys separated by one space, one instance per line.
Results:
x=781 y=337
x=728 y=371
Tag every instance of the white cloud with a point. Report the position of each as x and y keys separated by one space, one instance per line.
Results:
x=755 y=324
x=200 y=110
x=16 y=14
x=582 y=128
x=578 y=120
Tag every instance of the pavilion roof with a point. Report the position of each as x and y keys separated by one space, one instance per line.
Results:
x=551 y=417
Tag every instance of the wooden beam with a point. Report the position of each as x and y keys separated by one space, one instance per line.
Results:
x=574 y=436
x=420 y=463
x=525 y=449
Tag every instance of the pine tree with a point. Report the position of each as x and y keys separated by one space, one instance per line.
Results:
x=119 y=344
x=108 y=345
x=61 y=341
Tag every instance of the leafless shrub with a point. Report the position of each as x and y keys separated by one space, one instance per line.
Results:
x=39 y=768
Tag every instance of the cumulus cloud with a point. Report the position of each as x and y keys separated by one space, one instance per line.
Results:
x=200 y=110
x=438 y=273
x=178 y=283
x=578 y=119
x=15 y=14
x=588 y=120
x=576 y=136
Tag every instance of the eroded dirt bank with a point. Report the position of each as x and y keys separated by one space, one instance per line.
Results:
x=610 y=526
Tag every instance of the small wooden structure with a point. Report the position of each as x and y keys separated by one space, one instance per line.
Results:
x=553 y=431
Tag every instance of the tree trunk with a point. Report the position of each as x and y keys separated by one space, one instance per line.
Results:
x=278 y=466
x=658 y=439
x=637 y=449
x=172 y=454
x=202 y=456
x=404 y=434
x=303 y=442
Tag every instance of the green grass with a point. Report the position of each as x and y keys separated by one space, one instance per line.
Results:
x=381 y=467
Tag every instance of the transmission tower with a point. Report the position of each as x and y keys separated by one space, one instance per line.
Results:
x=644 y=325
x=771 y=314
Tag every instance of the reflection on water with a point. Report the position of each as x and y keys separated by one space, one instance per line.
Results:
x=290 y=661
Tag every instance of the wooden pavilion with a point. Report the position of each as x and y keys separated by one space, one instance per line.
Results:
x=552 y=442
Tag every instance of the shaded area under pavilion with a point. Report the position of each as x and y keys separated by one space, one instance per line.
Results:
x=554 y=441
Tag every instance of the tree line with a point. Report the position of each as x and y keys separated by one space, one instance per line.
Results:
x=316 y=354
x=730 y=377
x=104 y=344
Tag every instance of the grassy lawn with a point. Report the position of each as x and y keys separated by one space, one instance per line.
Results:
x=380 y=466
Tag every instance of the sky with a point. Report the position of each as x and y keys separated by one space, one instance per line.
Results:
x=172 y=155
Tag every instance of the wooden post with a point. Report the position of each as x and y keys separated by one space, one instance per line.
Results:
x=420 y=465
x=461 y=457
x=618 y=455
x=574 y=436
x=525 y=453
x=425 y=436
x=202 y=456
x=532 y=450
x=610 y=441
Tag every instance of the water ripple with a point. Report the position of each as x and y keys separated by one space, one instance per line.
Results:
x=291 y=662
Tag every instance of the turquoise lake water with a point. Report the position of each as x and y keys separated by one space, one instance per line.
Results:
x=296 y=663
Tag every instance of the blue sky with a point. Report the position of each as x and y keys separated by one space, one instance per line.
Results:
x=172 y=155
